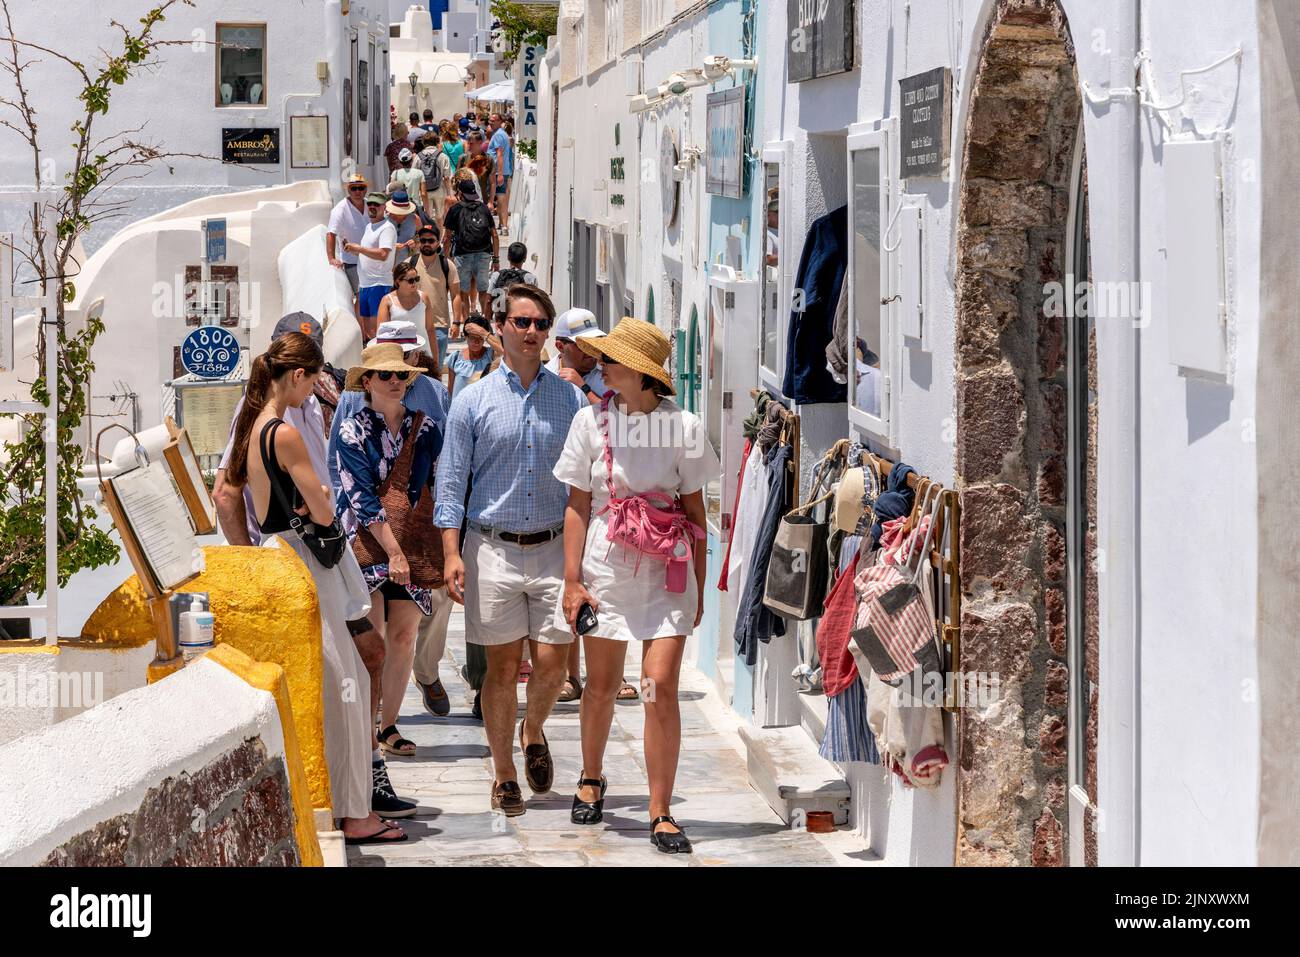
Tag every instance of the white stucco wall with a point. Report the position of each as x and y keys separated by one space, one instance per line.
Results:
x=123 y=748
x=176 y=98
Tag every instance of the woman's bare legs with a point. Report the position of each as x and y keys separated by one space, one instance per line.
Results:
x=661 y=666
x=596 y=707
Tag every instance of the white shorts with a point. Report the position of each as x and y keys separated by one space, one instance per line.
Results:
x=511 y=591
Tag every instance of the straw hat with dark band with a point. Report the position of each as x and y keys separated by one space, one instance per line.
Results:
x=634 y=343
x=380 y=357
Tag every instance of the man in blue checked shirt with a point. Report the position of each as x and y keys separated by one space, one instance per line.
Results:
x=506 y=432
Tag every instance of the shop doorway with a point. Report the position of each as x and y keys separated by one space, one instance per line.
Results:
x=1026 y=463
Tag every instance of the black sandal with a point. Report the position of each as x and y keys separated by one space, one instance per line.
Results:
x=381 y=836
x=402 y=747
x=589 y=812
x=670 y=842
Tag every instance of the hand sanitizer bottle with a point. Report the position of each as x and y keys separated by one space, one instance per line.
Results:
x=196 y=626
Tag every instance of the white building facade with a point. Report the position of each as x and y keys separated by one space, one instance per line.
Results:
x=991 y=157
x=254 y=94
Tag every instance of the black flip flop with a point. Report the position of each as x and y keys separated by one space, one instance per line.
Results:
x=377 y=837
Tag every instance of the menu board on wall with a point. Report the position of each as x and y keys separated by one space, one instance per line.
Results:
x=820 y=38
x=309 y=138
x=925 y=101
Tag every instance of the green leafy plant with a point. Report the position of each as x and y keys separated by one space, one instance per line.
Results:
x=524 y=24
x=85 y=197
x=527 y=148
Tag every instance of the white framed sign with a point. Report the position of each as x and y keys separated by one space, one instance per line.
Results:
x=725 y=139
x=309 y=138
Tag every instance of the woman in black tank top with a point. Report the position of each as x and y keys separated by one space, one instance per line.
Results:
x=285 y=376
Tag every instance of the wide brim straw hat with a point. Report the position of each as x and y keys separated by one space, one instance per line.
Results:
x=634 y=343
x=380 y=357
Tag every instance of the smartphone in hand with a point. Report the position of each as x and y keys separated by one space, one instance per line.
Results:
x=586 y=619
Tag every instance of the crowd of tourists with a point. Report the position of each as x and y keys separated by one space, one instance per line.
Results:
x=524 y=475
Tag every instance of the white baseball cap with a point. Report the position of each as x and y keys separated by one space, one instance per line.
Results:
x=402 y=332
x=577 y=324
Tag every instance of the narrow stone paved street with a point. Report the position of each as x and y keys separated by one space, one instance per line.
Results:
x=451 y=774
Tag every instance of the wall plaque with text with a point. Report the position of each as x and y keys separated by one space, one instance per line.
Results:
x=258 y=145
x=925 y=102
x=819 y=40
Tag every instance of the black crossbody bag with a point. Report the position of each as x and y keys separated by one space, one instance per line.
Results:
x=326 y=544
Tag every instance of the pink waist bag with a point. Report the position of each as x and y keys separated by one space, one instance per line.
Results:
x=652 y=523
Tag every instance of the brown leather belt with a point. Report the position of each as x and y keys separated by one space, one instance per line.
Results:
x=517 y=538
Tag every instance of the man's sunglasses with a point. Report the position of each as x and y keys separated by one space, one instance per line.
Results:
x=357 y=189
x=522 y=323
x=374 y=205
x=386 y=374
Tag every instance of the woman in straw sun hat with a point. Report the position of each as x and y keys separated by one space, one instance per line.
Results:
x=387 y=462
x=654 y=447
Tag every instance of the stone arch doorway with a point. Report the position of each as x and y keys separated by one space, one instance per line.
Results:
x=1028 y=590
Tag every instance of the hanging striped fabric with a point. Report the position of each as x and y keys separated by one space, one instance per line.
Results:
x=847 y=737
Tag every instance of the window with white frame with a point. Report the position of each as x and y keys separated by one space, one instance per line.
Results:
x=654 y=15
x=870 y=330
x=775 y=272
x=613 y=28
x=241 y=64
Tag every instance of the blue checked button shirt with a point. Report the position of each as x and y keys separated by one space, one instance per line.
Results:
x=509 y=438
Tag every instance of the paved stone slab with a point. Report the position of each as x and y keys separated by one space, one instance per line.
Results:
x=451 y=774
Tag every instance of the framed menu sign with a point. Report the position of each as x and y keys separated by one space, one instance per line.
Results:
x=255 y=145
x=926 y=123
x=309 y=138
x=819 y=41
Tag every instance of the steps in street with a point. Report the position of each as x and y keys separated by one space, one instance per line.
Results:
x=785 y=768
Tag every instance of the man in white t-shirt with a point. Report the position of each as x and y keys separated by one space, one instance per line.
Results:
x=571 y=363
x=347 y=223
x=375 y=261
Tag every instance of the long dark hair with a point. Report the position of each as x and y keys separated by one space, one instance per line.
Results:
x=291 y=351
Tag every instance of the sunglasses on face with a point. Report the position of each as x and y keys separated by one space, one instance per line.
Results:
x=356 y=189
x=374 y=205
x=523 y=323
x=607 y=360
x=385 y=375
x=412 y=280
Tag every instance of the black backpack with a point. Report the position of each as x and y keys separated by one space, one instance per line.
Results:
x=508 y=277
x=432 y=171
x=473 y=228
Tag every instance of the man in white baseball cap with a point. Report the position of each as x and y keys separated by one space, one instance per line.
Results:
x=570 y=362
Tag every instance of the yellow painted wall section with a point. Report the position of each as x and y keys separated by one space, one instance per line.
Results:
x=268 y=677
x=264 y=603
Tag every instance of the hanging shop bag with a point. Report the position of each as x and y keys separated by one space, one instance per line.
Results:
x=894 y=630
x=799 y=571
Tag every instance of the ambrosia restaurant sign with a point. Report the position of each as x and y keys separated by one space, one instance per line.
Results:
x=250 y=146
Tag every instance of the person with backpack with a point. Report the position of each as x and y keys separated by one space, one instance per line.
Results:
x=436 y=167
x=440 y=281
x=409 y=178
x=515 y=272
x=469 y=234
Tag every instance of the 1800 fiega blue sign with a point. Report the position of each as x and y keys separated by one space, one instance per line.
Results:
x=210 y=352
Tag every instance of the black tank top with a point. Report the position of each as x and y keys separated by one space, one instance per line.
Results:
x=277 y=519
